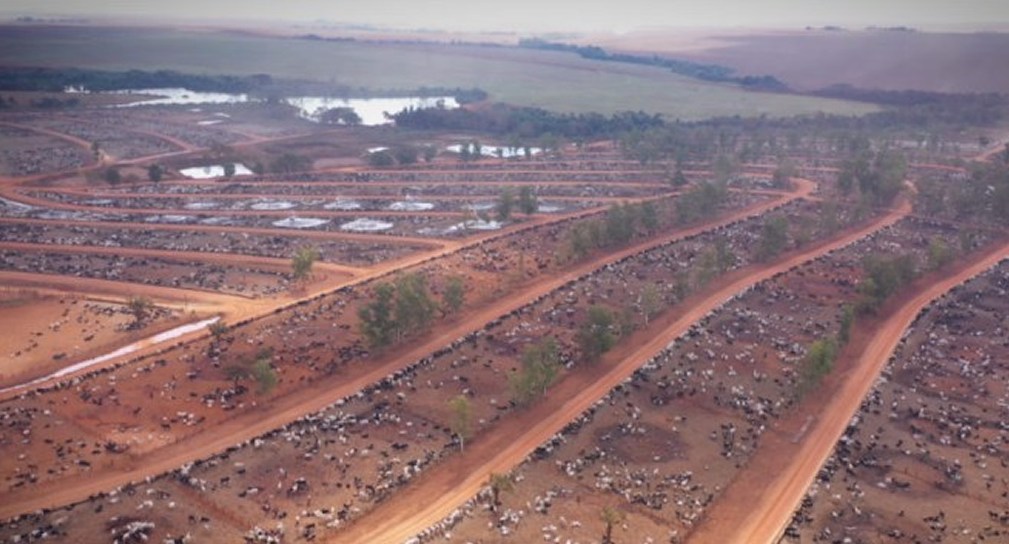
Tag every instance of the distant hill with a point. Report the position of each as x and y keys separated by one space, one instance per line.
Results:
x=869 y=59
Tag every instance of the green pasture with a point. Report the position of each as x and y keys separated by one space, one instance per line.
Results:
x=555 y=81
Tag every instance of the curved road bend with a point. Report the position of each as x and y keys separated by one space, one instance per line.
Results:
x=446 y=486
x=757 y=512
x=324 y=392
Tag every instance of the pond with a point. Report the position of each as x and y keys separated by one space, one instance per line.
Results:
x=366 y=225
x=475 y=224
x=496 y=151
x=343 y=205
x=272 y=205
x=372 y=111
x=411 y=206
x=300 y=222
x=201 y=205
x=213 y=171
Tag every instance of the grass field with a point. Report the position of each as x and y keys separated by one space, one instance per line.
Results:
x=552 y=80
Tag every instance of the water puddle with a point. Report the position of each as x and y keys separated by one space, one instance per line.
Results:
x=366 y=225
x=213 y=171
x=300 y=222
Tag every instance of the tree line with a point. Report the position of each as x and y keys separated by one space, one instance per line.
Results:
x=983 y=195
x=261 y=85
x=58 y=79
x=526 y=123
x=706 y=72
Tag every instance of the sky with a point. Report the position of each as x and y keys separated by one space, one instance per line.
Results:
x=548 y=15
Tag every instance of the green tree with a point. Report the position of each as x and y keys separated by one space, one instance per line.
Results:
x=414 y=308
x=429 y=152
x=882 y=277
x=888 y=177
x=783 y=174
x=930 y=197
x=289 y=163
x=679 y=179
x=595 y=336
x=540 y=365
x=112 y=176
x=707 y=267
x=454 y=296
x=819 y=361
x=966 y=241
x=262 y=371
x=140 y=307
x=579 y=243
x=847 y=322
x=381 y=159
x=724 y=258
x=725 y=167
x=499 y=483
x=610 y=516
x=406 y=154
x=505 y=204
x=829 y=217
x=939 y=253
x=155 y=172
x=649 y=216
x=217 y=330
x=462 y=416
x=853 y=170
x=650 y=301
x=527 y=200
x=619 y=225
x=376 y=321
x=302 y=261
x=803 y=232
x=681 y=287
x=701 y=201
x=717 y=260
x=773 y=237
x=236 y=372
x=339 y=116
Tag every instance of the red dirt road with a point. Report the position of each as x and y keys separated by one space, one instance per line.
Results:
x=445 y=487
x=324 y=392
x=756 y=510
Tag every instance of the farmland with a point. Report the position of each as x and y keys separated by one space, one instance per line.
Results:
x=228 y=322
x=555 y=81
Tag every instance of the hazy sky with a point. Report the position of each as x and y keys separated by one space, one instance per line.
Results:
x=541 y=15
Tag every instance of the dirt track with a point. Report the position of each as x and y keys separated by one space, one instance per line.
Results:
x=324 y=392
x=243 y=309
x=412 y=510
x=744 y=514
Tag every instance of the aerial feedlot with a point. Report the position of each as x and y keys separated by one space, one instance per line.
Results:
x=315 y=282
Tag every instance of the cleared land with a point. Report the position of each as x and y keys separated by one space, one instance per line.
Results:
x=351 y=438
x=889 y=60
x=555 y=81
